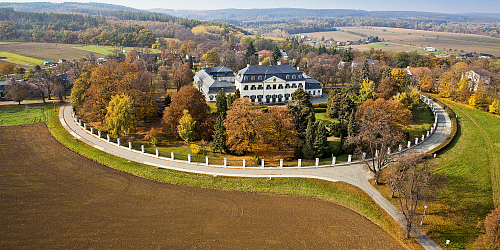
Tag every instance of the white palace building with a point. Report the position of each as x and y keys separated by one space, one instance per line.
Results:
x=260 y=83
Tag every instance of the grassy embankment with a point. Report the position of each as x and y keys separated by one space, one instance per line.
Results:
x=341 y=193
x=21 y=60
x=471 y=164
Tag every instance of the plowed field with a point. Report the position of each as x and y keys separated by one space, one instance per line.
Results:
x=50 y=197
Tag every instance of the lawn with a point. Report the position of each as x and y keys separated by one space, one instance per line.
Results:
x=7 y=43
x=19 y=59
x=422 y=122
x=323 y=117
x=10 y=116
x=468 y=163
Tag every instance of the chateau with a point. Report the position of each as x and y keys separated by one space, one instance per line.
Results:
x=259 y=83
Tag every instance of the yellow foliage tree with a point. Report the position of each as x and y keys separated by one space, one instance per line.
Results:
x=399 y=75
x=186 y=126
x=211 y=58
x=427 y=83
x=120 y=117
x=495 y=107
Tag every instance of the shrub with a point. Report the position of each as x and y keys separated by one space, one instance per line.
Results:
x=256 y=160
x=154 y=141
x=320 y=110
x=495 y=107
x=320 y=105
x=195 y=149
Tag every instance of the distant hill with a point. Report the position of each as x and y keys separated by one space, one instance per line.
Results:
x=63 y=7
x=493 y=15
x=295 y=13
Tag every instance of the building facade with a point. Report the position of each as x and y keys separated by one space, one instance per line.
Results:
x=274 y=83
x=266 y=84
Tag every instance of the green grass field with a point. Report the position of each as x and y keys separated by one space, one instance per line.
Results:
x=323 y=117
x=21 y=60
x=423 y=122
x=20 y=115
x=7 y=43
x=339 y=192
x=470 y=163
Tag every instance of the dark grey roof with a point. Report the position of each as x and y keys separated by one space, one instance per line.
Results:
x=267 y=71
x=211 y=86
x=218 y=71
x=312 y=83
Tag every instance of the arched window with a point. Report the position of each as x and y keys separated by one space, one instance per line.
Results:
x=253 y=78
x=293 y=76
x=260 y=78
x=245 y=78
x=287 y=77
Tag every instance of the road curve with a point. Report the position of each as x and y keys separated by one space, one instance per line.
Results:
x=354 y=174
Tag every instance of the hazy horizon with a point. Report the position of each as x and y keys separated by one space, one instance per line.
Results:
x=439 y=6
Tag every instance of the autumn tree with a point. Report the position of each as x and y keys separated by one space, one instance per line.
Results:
x=387 y=88
x=7 y=68
x=17 y=91
x=186 y=126
x=240 y=124
x=182 y=76
x=339 y=104
x=413 y=182
x=373 y=141
x=490 y=227
x=163 y=77
x=494 y=108
x=390 y=112
x=427 y=83
x=278 y=129
x=191 y=99
x=120 y=116
x=410 y=99
x=211 y=58
x=366 y=92
x=400 y=76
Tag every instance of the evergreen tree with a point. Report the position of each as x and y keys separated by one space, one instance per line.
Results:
x=320 y=144
x=221 y=104
x=302 y=109
x=251 y=54
x=219 y=137
x=276 y=54
x=308 y=148
x=167 y=100
x=232 y=98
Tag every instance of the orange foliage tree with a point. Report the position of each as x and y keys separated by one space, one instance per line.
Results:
x=391 y=112
x=191 y=99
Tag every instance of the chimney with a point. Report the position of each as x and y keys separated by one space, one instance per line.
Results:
x=260 y=63
x=279 y=63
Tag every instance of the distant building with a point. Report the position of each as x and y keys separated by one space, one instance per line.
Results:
x=3 y=88
x=212 y=79
x=482 y=55
x=431 y=49
x=477 y=77
x=414 y=72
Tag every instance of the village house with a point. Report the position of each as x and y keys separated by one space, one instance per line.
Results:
x=477 y=78
x=414 y=73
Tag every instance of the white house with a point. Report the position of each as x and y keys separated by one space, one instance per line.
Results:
x=477 y=77
x=432 y=49
x=274 y=83
x=212 y=79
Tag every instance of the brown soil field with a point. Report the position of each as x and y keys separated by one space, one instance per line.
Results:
x=336 y=35
x=53 y=198
x=47 y=51
x=420 y=39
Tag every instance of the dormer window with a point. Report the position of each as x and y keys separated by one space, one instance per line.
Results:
x=245 y=78
x=253 y=78
x=300 y=76
x=287 y=77
x=293 y=76
x=260 y=78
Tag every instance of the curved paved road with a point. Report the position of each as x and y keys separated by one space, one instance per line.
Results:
x=354 y=174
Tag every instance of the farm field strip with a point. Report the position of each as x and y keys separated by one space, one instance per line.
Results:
x=20 y=59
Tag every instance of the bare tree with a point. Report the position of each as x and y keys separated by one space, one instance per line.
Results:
x=37 y=88
x=412 y=182
x=17 y=91
x=374 y=141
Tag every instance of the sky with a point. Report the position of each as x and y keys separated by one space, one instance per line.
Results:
x=441 y=6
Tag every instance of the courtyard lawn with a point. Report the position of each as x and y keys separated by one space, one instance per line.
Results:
x=422 y=123
x=21 y=60
x=323 y=117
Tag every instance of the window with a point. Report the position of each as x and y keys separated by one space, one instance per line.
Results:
x=287 y=86
x=300 y=76
x=294 y=85
x=245 y=87
x=293 y=76
x=287 y=77
x=253 y=87
x=260 y=78
x=268 y=86
x=300 y=85
x=259 y=87
x=280 y=86
x=245 y=78
x=253 y=78
x=211 y=97
x=274 y=86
